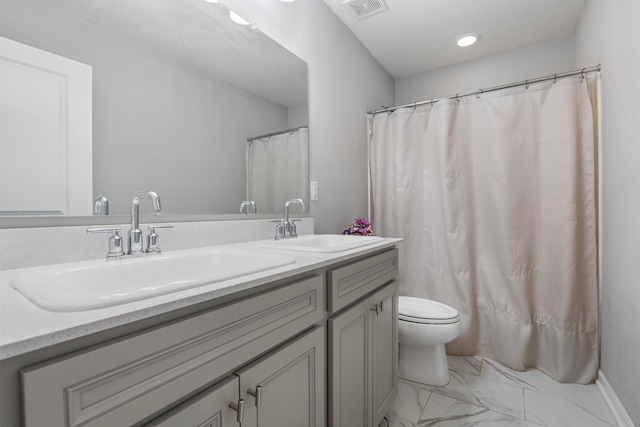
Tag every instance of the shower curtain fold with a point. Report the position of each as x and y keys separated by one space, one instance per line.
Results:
x=495 y=198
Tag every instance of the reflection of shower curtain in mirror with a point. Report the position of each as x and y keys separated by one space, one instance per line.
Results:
x=277 y=170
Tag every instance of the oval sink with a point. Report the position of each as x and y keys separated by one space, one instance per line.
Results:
x=97 y=284
x=322 y=243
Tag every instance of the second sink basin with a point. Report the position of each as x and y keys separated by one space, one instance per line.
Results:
x=322 y=243
x=96 y=284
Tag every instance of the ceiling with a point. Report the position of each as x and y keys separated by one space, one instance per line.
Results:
x=414 y=36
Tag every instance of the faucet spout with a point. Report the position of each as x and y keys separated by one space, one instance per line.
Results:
x=286 y=208
x=287 y=228
x=248 y=204
x=135 y=234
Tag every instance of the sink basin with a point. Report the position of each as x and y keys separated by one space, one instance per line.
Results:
x=97 y=284
x=322 y=243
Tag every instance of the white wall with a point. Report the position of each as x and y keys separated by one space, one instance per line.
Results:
x=344 y=82
x=607 y=34
x=537 y=60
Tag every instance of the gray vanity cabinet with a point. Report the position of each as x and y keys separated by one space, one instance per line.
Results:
x=363 y=343
x=384 y=386
x=209 y=409
x=131 y=380
x=284 y=388
x=265 y=352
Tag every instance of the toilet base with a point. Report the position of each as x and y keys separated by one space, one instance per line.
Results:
x=426 y=365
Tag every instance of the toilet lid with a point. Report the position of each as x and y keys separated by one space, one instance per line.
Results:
x=422 y=310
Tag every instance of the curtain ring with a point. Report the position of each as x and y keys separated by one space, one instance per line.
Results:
x=432 y=102
x=478 y=95
x=458 y=98
x=582 y=73
x=555 y=78
x=526 y=84
x=414 y=106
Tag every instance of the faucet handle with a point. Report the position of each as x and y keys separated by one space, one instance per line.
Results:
x=279 y=229
x=116 y=248
x=153 y=240
x=292 y=229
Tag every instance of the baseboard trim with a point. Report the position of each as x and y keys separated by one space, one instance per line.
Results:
x=619 y=413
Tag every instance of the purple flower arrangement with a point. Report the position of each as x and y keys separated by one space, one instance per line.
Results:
x=361 y=226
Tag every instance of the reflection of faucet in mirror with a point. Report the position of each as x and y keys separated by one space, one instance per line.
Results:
x=286 y=227
x=101 y=205
x=135 y=234
x=246 y=204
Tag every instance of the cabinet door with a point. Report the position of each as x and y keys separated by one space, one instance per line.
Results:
x=385 y=350
x=350 y=366
x=209 y=409
x=286 y=387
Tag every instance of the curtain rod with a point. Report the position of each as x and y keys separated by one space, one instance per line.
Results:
x=267 y=135
x=491 y=89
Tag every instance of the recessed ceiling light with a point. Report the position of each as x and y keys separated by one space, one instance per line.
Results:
x=212 y=1
x=467 y=39
x=287 y=1
x=237 y=18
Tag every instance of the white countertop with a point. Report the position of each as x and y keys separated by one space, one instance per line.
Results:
x=25 y=327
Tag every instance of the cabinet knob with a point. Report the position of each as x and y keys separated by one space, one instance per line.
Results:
x=257 y=394
x=239 y=408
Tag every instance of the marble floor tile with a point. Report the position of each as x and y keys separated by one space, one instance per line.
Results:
x=531 y=379
x=552 y=410
x=465 y=364
x=410 y=402
x=576 y=395
x=442 y=411
x=395 y=421
x=493 y=395
x=483 y=392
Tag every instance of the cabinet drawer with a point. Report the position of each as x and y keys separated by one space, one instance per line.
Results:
x=130 y=379
x=349 y=283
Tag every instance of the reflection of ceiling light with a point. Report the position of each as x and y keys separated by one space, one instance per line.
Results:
x=237 y=18
x=287 y=1
x=467 y=39
x=212 y=1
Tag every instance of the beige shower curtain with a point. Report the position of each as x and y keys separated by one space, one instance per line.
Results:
x=495 y=198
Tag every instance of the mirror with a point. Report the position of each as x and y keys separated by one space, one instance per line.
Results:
x=178 y=89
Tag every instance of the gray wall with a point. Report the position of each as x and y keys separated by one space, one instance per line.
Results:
x=158 y=124
x=537 y=60
x=344 y=82
x=607 y=34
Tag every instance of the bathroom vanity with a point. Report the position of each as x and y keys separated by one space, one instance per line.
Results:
x=311 y=343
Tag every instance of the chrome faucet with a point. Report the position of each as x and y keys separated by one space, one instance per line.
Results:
x=116 y=250
x=248 y=204
x=135 y=234
x=286 y=227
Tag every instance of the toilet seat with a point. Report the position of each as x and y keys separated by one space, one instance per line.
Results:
x=420 y=310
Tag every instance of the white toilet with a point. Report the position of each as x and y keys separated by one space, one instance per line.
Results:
x=424 y=327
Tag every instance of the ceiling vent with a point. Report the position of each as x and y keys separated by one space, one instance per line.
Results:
x=366 y=8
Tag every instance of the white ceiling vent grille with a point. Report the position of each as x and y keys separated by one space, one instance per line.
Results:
x=366 y=8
